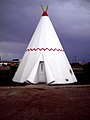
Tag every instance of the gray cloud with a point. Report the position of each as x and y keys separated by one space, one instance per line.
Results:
x=71 y=19
x=10 y=50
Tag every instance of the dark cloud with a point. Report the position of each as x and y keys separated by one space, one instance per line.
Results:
x=85 y=3
x=71 y=19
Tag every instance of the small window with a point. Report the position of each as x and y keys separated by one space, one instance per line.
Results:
x=70 y=71
x=41 y=61
x=41 y=66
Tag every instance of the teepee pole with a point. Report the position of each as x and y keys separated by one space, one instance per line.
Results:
x=47 y=8
x=42 y=8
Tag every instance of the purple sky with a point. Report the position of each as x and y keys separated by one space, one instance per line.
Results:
x=71 y=20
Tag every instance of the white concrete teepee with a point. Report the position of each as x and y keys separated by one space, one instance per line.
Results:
x=45 y=60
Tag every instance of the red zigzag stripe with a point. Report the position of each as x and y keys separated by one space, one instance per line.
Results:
x=40 y=49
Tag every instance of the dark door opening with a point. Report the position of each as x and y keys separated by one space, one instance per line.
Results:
x=41 y=72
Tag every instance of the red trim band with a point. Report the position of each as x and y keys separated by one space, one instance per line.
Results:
x=44 y=49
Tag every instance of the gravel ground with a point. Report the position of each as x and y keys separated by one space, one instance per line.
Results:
x=43 y=102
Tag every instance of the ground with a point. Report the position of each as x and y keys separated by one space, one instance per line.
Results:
x=43 y=102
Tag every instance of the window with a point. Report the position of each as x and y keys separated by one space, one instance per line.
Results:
x=70 y=71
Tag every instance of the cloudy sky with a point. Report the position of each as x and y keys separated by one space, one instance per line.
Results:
x=71 y=20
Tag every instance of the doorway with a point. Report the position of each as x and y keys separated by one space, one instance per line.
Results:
x=41 y=72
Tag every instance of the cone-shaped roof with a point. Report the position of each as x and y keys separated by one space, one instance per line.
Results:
x=45 y=35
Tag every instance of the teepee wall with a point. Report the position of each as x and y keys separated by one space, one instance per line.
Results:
x=45 y=50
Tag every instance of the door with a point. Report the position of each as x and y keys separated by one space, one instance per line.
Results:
x=42 y=74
